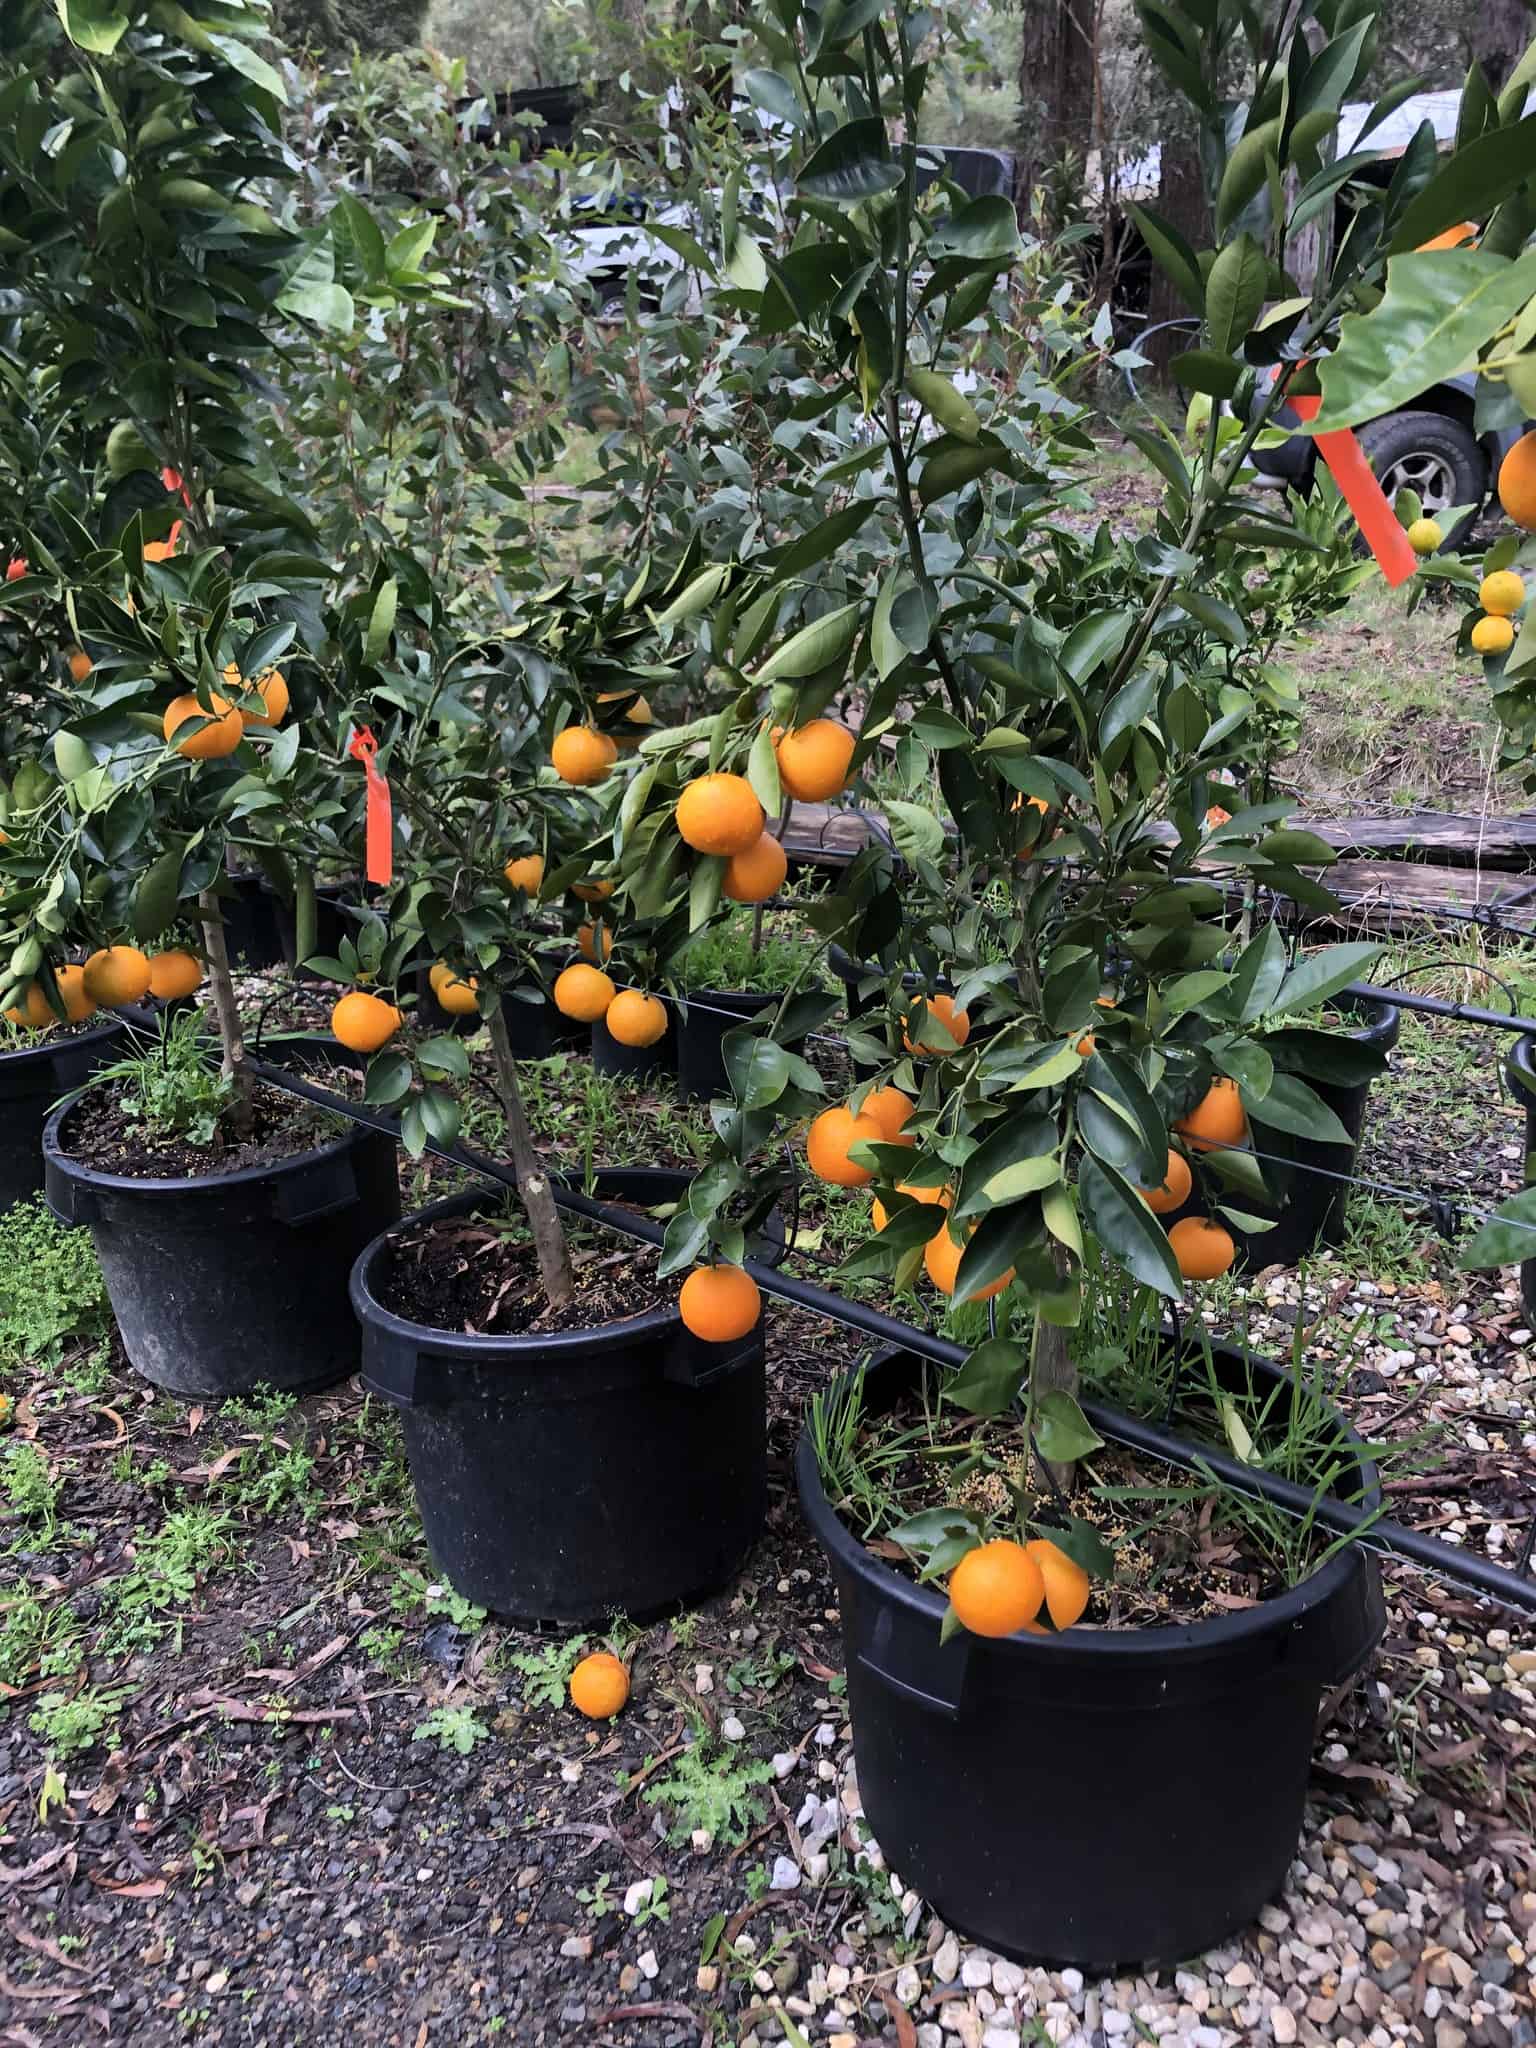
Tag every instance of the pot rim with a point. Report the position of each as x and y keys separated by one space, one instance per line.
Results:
x=50 y=1047
x=1520 y=1066
x=369 y=1309
x=241 y=1176
x=1078 y=1649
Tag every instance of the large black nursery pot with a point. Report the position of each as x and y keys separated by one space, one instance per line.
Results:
x=535 y=1028
x=701 y=1019
x=636 y=1062
x=569 y=1477
x=250 y=922
x=228 y=1281
x=332 y=924
x=32 y=1080
x=1313 y=1177
x=1520 y=1072
x=1100 y=1797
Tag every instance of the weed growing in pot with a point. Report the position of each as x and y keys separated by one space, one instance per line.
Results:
x=172 y=1089
x=51 y=1292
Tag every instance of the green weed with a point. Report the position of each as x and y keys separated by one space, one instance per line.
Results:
x=139 y=1606
x=30 y=1491
x=546 y=1673
x=71 y=1722
x=713 y=1789
x=51 y=1289
x=452 y=1728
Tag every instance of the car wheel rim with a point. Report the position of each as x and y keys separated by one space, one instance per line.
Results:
x=1430 y=475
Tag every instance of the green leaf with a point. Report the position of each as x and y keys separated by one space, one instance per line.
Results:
x=242 y=58
x=917 y=833
x=1126 y=1227
x=986 y=231
x=775 y=95
x=950 y=464
x=94 y=25
x=1083 y=1543
x=1247 y=168
x=885 y=644
x=763 y=771
x=757 y=1069
x=1290 y=1105
x=1201 y=369
x=1173 y=256
x=1234 y=293
x=1506 y=1239
x=696 y=596
x=389 y=1080
x=854 y=163
x=1062 y=1430
x=685 y=1242
x=1438 y=310
x=382 y=623
x=158 y=892
x=814 y=647
x=73 y=757
x=326 y=305
x=366 y=234
x=944 y=404
x=745 y=266
x=704 y=890
x=1317 y=976
x=1469 y=185
x=990 y=1380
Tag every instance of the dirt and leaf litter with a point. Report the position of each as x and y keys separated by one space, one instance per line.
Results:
x=106 y=1132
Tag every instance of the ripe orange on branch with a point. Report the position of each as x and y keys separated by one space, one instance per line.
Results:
x=218 y=736
x=1217 y=1118
x=634 y=1018
x=458 y=996
x=757 y=874
x=583 y=993
x=829 y=1139
x=1517 y=482
x=525 y=871
x=996 y=1589
x=582 y=756
x=890 y=1110
x=271 y=686
x=1202 y=1248
x=1493 y=636
x=956 y=1022
x=174 y=973
x=80 y=664
x=814 y=760
x=720 y=814
x=1067 y=1585
x=720 y=1303
x=36 y=1011
x=1173 y=1191
x=78 y=1003
x=941 y=1262
x=115 y=976
x=590 y=939
x=363 y=1021
x=877 y=1209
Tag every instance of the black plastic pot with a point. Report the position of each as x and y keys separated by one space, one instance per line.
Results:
x=1314 y=1196
x=1100 y=1797
x=535 y=1029
x=701 y=1019
x=1520 y=1073
x=250 y=923
x=229 y=1281
x=32 y=1080
x=637 y=1062
x=570 y=1477
x=332 y=924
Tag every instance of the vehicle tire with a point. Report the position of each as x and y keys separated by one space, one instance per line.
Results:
x=1433 y=455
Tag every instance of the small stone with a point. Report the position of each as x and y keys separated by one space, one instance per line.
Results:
x=976 y=1971
x=1008 y=1980
x=706 y=1977
x=638 y=1897
x=1383 y=1955
x=908 y=1986
x=702 y=1841
x=785 y=1876
x=1240 y=1976
x=1282 y=2024
x=1316 y=1932
x=1071 y=1982
x=783 y=1763
x=216 y=1982
x=577 y=1946
x=703 y=1677
x=1206 y=2037
x=650 y=1968
x=946 y=1961
x=1000 y=2037
x=570 y=1774
x=732 y=1729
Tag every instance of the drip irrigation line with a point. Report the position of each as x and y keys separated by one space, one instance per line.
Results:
x=1438 y=1006
x=1389 y=1538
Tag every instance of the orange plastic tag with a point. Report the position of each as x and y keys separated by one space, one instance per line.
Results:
x=1363 y=495
x=379 y=852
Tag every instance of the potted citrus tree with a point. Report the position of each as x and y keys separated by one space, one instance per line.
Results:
x=1087 y=885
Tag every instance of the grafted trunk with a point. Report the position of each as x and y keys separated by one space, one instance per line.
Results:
x=226 y=1011
x=532 y=1178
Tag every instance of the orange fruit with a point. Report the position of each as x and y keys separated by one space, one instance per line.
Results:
x=460 y=998
x=877 y=1209
x=1174 y=1191
x=639 y=714
x=1452 y=238
x=80 y=664
x=1067 y=1585
x=720 y=1303
x=593 y=891
x=583 y=993
x=997 y=1588
x=634 y=1018
x=599 y=1686
x=1216 y=1119
x=37 y=1014
x=116 y=975
x=1517 y=481
x=218 y=736
x=814 y=760
x=173 y=974
x=582 y=756
x=15 y=569
x=1216 y=815
x=272 y=687
x=720 y=814
x=590 y=937
x=1202 y=1248
x=757 y=874
x=827 y=1144
x=78 y=1005
x=1502 y=593
x=437 y=974
x=890 y=1110
x=525 y=871
x=1492 y=636
x=956 y=1022
x=363 y=1021
x=941 y=1262
x=1086 y=1044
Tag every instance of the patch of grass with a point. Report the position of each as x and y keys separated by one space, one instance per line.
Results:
x=1384 y=1241
x=724 y=957
x=29 y=1490
x=51 y=1290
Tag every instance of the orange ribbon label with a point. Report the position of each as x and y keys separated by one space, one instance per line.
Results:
x=379 y=852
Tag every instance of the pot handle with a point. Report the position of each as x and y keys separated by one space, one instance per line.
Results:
x=690 y=1362
x=69 y=1199
x=933 y=1673
x=318 y=1190
x=391 y=1368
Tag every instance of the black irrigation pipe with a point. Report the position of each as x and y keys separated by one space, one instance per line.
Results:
x=1497 y=1582
x=1437 y=1006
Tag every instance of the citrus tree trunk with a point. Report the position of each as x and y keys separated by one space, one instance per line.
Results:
x=532 y=1180
x=226 y=1011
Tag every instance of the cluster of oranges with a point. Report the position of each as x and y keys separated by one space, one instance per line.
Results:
x=999 y=1588
x=221 y=730
x=1501 y=596
x=111 y=979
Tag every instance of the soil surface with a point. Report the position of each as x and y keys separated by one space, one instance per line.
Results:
x=101 y=1134
x=480 y=1275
